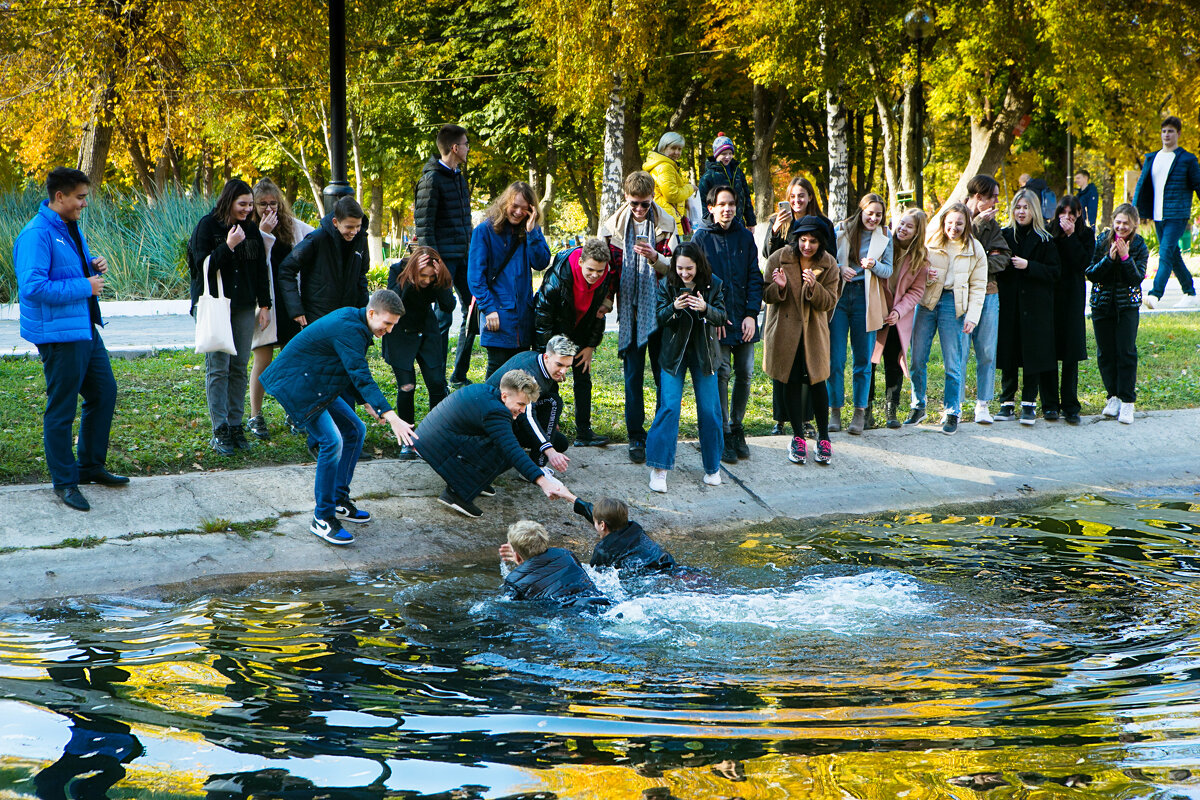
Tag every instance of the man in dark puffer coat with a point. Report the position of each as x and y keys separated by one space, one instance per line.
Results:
x=332 y=263
x=547 y=573
x=442 y=216
x=623 y=544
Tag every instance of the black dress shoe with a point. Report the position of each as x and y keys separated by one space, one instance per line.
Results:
x=102 y=477
x=637 y=452
x=1072 y=419
x=590 y=438
x=74 y=498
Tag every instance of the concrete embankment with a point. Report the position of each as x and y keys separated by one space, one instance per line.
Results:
x=153 y=532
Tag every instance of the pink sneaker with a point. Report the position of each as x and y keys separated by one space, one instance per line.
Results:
x=798 y=451
x=824 y=451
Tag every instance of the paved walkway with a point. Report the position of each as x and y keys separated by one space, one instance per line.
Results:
x=151 y=532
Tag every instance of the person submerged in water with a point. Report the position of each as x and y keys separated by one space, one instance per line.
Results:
x=546 y=573
x=623 y=544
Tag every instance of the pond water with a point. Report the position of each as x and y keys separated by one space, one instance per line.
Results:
x=1041 y=655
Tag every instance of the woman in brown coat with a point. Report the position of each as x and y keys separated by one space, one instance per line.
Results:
x=803 y=289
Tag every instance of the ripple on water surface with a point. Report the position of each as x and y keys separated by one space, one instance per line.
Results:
x=915 y=656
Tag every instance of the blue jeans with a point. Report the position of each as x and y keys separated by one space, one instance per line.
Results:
x=74 y=370
x=664 y=432
x=634 y=363
x=984 y=340
x=950 y=330
x=1170 y=259
x=850 y=317
x=339 y=435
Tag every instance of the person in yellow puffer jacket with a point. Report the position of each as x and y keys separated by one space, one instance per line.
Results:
x=671 y=186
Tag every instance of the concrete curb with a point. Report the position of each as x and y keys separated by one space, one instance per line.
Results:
x=879 y=473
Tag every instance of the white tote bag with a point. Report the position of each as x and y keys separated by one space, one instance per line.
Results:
x=695 y=209
x=214 y=332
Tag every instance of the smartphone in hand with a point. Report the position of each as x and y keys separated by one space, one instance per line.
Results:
x=642 y=240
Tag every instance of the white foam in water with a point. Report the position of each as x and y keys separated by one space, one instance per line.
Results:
x=845 y=605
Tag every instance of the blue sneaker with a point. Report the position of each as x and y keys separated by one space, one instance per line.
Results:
x=346 y=510
x=331 y=531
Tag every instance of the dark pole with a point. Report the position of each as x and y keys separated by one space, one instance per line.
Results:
x=920 y=126
x=338 y=185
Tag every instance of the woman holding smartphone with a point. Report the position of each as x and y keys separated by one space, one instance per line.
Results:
x=690 y=311
x=1075 y=242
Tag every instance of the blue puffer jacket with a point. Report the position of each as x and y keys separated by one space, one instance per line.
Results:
x=324 y=360
x=555 y=575
x=506 y=288
x=1182 y=180
x=55 y=295
x=628 y=550
x=732 y=255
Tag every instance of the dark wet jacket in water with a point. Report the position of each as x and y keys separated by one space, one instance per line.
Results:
x=555 y=575
x=628 y=550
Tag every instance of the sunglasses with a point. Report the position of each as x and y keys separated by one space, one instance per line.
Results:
x=639 y=203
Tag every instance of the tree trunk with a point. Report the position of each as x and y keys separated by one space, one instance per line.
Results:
x=612 y=176
x=875 y=142
x=1108 y=190
x=859 y=157
x=839 y=156
x=291 y=187
x=375 y=221
x=686 y=103
x=910 y=150
x=583 y=186
x=359 y=184
x=97 y=139
x=766 y=125
x=991 y=138
x=206 y=168
x=141 y=165
x=631 y=159
x=548 y=192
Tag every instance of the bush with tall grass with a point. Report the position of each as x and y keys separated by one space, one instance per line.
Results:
x=145 y=244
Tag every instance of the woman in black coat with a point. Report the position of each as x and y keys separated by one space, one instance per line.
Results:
x=1075 y=242
x=424 y=285
x=1026 y=332
x=230 y=241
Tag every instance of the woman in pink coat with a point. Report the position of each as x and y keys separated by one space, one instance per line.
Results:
x=903 y=291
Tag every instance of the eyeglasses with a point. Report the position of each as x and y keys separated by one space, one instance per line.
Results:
x=274 y=204
x=639 y=203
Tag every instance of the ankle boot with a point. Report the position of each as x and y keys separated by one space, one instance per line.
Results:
x=892 y=399
x=857 y=422
x=835 y=419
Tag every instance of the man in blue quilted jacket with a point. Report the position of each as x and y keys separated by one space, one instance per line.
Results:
x=59 y=283
x=1169 y=178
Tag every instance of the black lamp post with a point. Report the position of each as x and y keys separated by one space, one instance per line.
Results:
x=918 y=24
x=338 y=185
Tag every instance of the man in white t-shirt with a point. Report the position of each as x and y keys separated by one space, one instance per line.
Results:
x=1164 y=194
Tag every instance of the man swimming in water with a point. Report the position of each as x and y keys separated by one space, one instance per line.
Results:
x=546 y=573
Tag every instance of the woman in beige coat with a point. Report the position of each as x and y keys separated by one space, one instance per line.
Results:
x=802 y=290
x=951 y=307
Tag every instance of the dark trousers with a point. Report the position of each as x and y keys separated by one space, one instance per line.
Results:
x=74 y=370
x=466 y=333
x=1031 y=383
x=1116 y=351
x=1062 y=395
x=742 y=355
x=582 y=382
x=893 y=375
x=634 y=361
x=429 y=357
x=498 y=355
x=803 y=399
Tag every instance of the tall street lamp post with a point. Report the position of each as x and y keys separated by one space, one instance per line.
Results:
x=338 y=185
x=918 y=24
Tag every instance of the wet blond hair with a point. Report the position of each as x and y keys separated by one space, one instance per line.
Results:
x=528 y=538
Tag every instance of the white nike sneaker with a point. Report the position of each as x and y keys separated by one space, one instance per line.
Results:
x=1126 y=414
x=1112 y=407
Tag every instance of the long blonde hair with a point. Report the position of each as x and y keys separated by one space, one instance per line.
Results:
x=938 y=237
x=285 y=231
x=497 y=212
x=852 y=225
x=1035 y=206
x=916 y=252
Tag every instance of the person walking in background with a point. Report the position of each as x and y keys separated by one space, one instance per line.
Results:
x=1076 y=243
x=424 y=285
x=801 y=291
x=1026 y=338
x=573 y=301
x=59 y=283
x=671 y=186
x=1164 y=194
x=801 y=202
x=1089 y=198
x=691 y=312
x=1117 y=270
x=505 y=249
x=324 y=362
x=641 y=236
x=227 y=241
x=721 y=169
x=951 y=308
x=280 y=232
x=327 y=270
x=732 y=255
x=442 y=220
x=864 y=254
x=902 y=292
x=983 y=193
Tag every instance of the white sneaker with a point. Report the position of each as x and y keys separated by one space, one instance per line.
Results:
x=1151 y=301
x=1112 y=407
x=1188 y=301
x=1126 y=414
x=983 y=415
x=713 y=479
x=658 y=480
